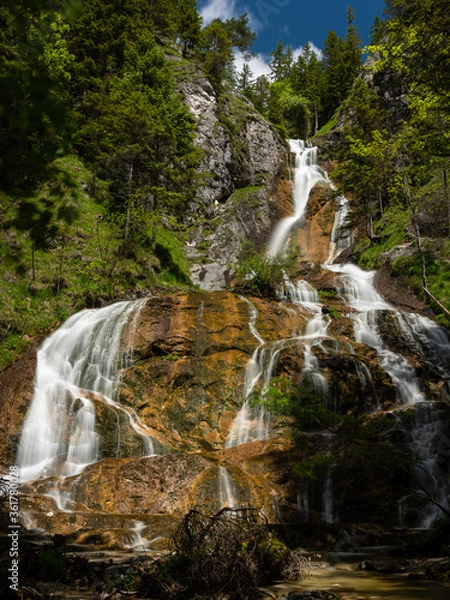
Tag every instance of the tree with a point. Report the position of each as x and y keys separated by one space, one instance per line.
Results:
x=218 y=51
x=281 y=64
x=352 y=53
x=334 y=50
x=342 y=59
x=219 y=39
x=308 y=79
x=261 y=94
x=289 y=109
x=35 y=119
x=189 y=24
x=245 y=82
x=240 y=34
x=135 y=130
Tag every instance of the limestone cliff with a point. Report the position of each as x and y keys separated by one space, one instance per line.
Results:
x=243 y=173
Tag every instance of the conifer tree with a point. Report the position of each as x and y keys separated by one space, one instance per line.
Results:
x=189 y=24
x=35 y=119
x=335 y=73
x=217 y=51
x=308 y=79
x=245 y=81
x=281 y=63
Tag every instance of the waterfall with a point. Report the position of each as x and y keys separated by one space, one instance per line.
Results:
x=252 y=421
x=341 y=237
x=227 y=489
x=307 y=174
x=78 y=368
x=359 y=293
x=367 y=307
x=428 y=441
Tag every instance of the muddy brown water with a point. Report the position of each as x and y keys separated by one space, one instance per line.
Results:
x=348 y=583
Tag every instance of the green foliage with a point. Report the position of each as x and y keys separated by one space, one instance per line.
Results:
x=35 y=120
x=395 y=164
x=358 y=449
x=314 y=468
x=129 y=583
x=47 y=563
x=218 y=40
x=169 y=249
x=84 y=264
x=305 y=92
x=188 y=25
x=342 y=60
x=390 y=232
x=277 y=398
x=289 y=110
x=263 y=274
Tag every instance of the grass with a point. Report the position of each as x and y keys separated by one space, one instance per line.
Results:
x=329 y=125
x=392 y=231
x=83 y=266
x=247 y=195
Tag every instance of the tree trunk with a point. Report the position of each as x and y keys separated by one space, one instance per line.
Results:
x=128 y=218
x=33 y=263
x=415 y=224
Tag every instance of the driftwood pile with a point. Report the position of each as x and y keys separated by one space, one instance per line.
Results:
x=228 y=554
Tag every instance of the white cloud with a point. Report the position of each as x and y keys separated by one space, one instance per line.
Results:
x=226 y=9
x=218 y=9
x=259 y=64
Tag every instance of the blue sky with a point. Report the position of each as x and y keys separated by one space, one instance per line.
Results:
x=295 y=22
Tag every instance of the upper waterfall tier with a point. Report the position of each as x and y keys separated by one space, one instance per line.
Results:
x=307 y=173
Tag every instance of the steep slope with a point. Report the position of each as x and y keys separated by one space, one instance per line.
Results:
x=243 y=178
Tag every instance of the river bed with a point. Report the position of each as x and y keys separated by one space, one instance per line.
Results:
x=348 y=583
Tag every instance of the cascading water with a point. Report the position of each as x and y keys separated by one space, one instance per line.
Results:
x=359 y=293
x=357 y=290
x=252 y=422
x=227 y=491
x=79 y=366
x=307 y=174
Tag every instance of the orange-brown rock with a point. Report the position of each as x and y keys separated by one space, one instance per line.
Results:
x=16 y=390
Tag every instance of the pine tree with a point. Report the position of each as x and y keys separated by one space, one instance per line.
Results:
x=217 y=51
x=261 y=94
x=245 y=81
x=189 y=25
x=352 y=58
x=281 y=64
x=308 y=79
x=35 y=118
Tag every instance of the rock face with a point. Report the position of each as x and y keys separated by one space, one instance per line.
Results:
x=16 y=390
x=191 y=351
x=191 y=354
x=242 y=173
x=198 y=354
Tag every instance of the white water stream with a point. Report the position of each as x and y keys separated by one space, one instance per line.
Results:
x=366 y=305
x=307 y=174
x=80 y=365
x=79 y=368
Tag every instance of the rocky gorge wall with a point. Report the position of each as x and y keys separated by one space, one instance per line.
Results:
x=245 y=187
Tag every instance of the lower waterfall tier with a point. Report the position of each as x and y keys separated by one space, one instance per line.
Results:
x=198 y=358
